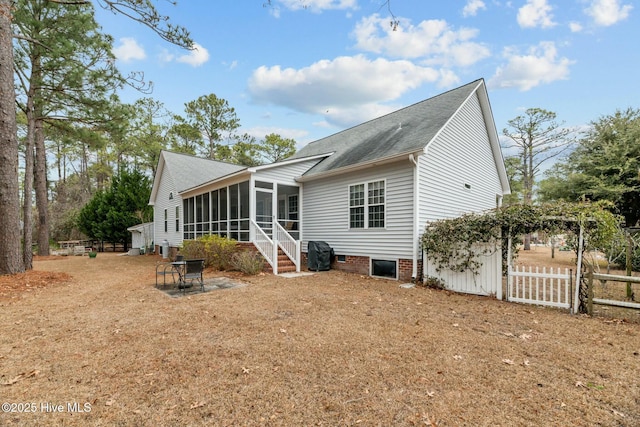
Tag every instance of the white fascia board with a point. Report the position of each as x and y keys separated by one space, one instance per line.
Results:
x=490 y=124
x=238 y=174
x=359 y=166
x=156 y=180
x=288 y=162
x=139 y=227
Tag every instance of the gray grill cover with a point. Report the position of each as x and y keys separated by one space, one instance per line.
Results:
x=319 y=255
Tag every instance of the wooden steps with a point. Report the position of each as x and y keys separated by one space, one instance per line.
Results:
x=285 y=265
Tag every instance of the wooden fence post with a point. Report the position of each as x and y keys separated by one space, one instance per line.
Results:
x=629 y=265
x=576 y=300
x=590 y=290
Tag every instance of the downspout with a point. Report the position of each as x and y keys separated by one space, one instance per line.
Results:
x=416 y=218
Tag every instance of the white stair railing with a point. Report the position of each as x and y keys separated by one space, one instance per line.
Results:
x=289 y=245
x=265 y=246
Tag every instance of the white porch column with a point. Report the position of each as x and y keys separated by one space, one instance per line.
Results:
x=252 y=207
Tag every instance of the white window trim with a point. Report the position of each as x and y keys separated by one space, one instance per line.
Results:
x=366 y=204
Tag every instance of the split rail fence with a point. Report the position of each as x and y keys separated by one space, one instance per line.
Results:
x=591 y=300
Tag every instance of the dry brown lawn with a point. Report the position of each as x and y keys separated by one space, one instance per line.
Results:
x=328 y=349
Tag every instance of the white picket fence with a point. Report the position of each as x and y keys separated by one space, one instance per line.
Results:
x=542 y=287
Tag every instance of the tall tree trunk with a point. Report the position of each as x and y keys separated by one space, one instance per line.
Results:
x=84 y=170
x=32 y=111
x=528 y=186
x=27 y=212
x=59 y=161
x=42 y=196
x=10 y=259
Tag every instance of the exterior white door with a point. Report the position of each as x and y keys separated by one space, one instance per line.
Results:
x=264 y=210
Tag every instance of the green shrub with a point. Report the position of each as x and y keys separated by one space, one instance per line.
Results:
x=219 y=251
x=635 y=260
x=193 y=249
x=215 y=250
x=248 y=262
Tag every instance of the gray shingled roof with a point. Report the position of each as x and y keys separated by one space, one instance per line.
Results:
x=190 y=171
x=403 y=131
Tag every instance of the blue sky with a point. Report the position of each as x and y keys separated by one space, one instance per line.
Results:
x=306 y=69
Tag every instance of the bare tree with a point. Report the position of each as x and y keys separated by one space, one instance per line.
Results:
x=538 y=138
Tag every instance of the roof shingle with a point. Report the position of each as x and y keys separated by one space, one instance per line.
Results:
x=404 y=131
x=190 y=171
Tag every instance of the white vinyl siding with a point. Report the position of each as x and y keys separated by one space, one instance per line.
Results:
x=167 y=200
x=285 y=174
x=141 y=235
x=458 y=173
x=325 y=213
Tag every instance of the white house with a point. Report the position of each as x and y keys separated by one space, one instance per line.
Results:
x=367 y=191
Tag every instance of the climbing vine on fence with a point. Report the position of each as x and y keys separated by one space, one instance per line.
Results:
x=459 y=243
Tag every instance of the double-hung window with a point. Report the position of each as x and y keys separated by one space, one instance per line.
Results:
x=366 y=205
x=166 y=220
x=375 y=204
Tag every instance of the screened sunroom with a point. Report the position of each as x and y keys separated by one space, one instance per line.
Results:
x=227 y=211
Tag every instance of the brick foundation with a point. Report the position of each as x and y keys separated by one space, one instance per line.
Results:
x=173 y=251
x=362 y=264
x=352 y=264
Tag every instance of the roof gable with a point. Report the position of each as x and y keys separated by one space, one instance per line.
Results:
x=190 y=171
x=187 y=171
x=404 y=131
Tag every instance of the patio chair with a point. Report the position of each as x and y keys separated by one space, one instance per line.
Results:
x=165 y=269
x=193 y=270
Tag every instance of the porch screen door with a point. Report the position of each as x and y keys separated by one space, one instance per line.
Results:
x=264 y=210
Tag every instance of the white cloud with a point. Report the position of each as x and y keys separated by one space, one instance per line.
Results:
x=166 y=56
x=608 y=12
x=259 y=132
x=196 y=57
x=322 y=124
x=575 y=27
x=432 y=41
x=319 y=5
x=540 y=65
x=129 y=50
x=345 y=90
x=472 y=7
x=448 y=79
x=536 y=13
x=231 y=65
